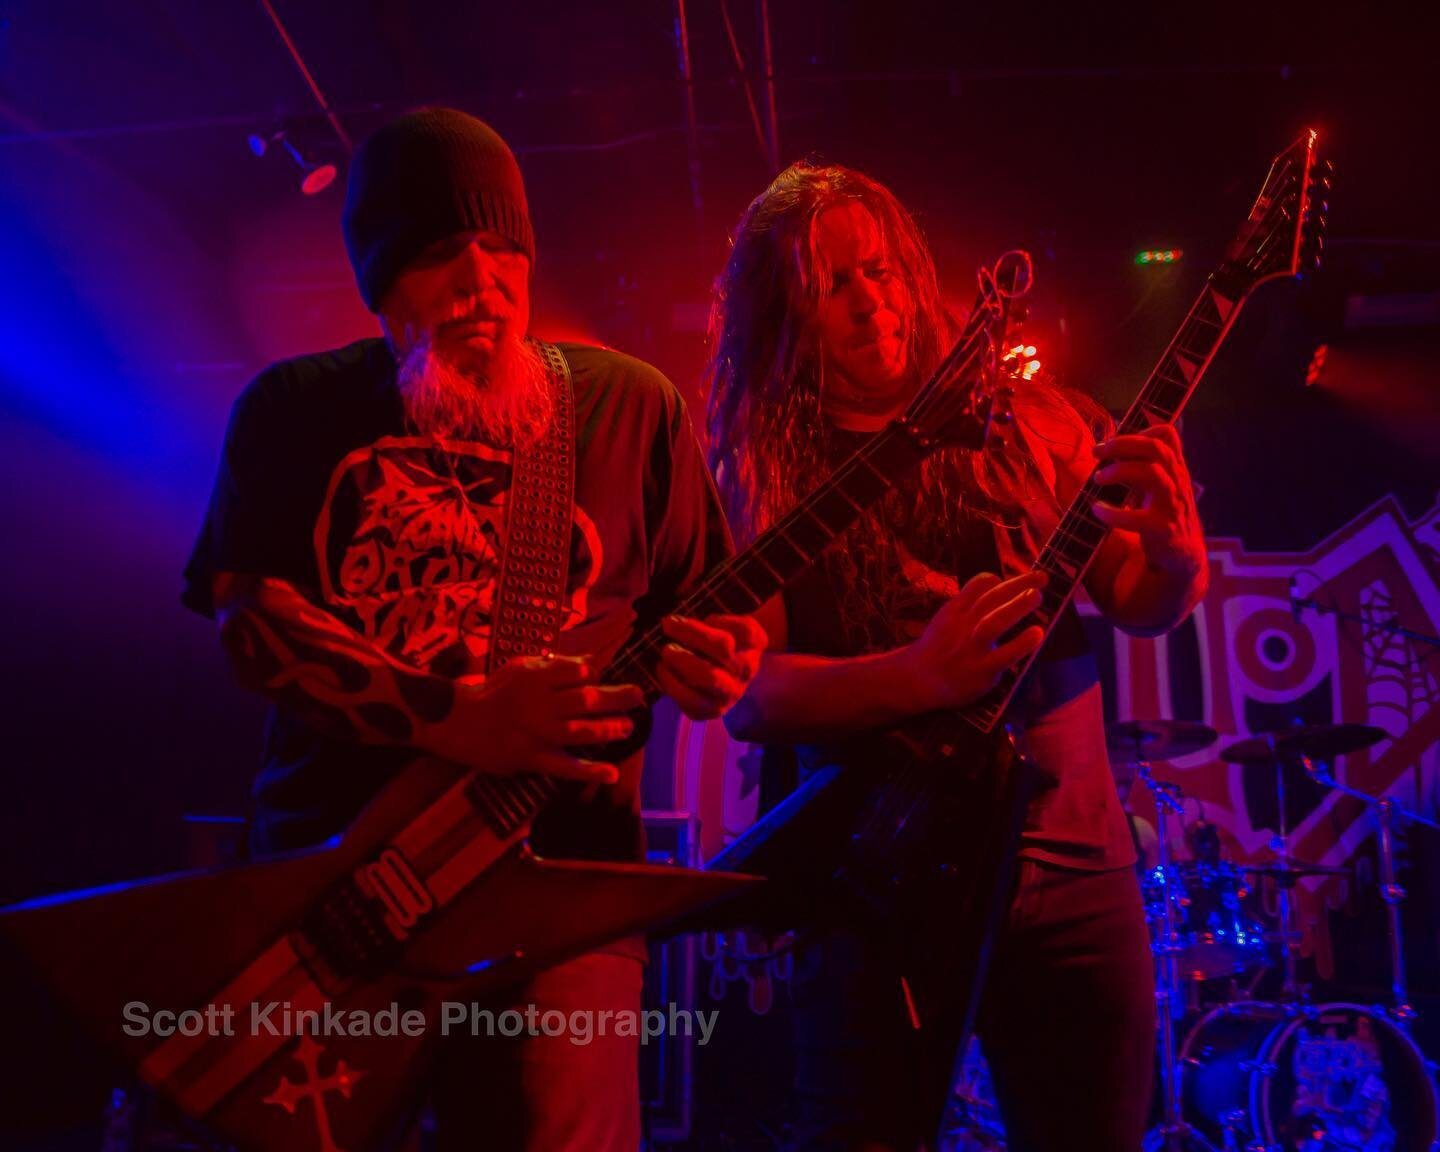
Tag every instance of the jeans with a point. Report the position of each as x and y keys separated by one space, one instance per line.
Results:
x=1067 y=1022
x=546 y=1093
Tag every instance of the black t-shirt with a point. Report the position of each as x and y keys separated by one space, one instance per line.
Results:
x=398 y=536
x=1075 y=819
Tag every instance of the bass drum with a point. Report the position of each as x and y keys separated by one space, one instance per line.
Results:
x=1317 y=1078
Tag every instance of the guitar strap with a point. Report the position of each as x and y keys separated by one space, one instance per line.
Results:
x=530 y=598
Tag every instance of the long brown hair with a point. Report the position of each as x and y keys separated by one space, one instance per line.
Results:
x=765 y=375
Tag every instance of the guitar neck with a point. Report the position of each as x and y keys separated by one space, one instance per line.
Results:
x=1073 y=544
x=743 y=583
x=747 y=580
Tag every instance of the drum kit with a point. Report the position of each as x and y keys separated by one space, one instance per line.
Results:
x=1261 y=1075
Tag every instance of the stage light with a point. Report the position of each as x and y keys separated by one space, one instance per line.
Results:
x=1159 y=256
x=1021 y=361
x=1317 y=365
x=314 y=177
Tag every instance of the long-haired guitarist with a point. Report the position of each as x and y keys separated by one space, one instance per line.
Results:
x=826 y=320
x=352 y=550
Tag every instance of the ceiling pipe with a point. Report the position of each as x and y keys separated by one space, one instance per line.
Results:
x=770 y=86
x=692 y=127
x=309 y=79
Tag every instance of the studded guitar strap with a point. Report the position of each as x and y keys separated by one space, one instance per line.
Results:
x=530 y=601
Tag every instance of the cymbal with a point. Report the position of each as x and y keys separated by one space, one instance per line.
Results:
x=1131 y=740
x=1317 y=741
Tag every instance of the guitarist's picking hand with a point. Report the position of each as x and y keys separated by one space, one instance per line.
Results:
x=708 y=664
x=956 y=660
x=527 y=714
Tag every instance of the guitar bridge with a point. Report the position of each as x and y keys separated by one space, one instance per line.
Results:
x=362 y=924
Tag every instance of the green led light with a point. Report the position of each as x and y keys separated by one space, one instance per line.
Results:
x=1158 y=256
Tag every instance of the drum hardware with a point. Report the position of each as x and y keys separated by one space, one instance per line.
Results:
x=1297 y=871
x=1277 y=1077
x=1300 y=602
x=1316 y=741
x=1387 y=811
x=1219 y=935
x=1134 y=741
x=1277 y=749
x=1173 y=1134
x=1269 y=1076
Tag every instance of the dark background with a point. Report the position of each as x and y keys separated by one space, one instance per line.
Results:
x=149 y=265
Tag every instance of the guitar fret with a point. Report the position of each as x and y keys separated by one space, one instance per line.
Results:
x=863 y=458
x=1062 y=536
x=1054 y=563
x=757 y=556
x=1161 y=406
x=1171 y=391
x=808 y=533
x=1169 y=371
x=1159 y=413
x=1072 y=549
x=734 y=596
x=859 y=508
x=736 y=583
x=832 y=507
x=516 y=803
x=787 y=565
x=1198 y=343
x=1050 y=555
x=492 y=804
x=1082 y=524
x=533 y=788
x=515 y=799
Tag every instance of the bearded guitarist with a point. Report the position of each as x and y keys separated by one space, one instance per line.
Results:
x=827 y=319
x=356 y=535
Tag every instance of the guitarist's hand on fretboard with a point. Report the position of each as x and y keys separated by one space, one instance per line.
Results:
x=972 y=640
x=1161 y=509
x=707 y=664
x=1153 y=569
x=532 y=715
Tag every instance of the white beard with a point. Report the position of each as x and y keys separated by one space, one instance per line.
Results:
x=510 y=407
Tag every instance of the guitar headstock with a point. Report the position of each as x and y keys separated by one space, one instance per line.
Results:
x=969 y=389
x=1285 y=231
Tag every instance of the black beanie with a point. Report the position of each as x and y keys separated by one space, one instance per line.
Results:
x=421 y=178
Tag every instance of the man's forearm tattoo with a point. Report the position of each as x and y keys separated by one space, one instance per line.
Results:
x=307 y=661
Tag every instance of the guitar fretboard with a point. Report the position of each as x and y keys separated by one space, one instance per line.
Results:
x=747 y=580
x=1077 y=538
